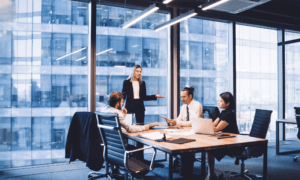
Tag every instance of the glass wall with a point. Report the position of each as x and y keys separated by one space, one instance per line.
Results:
x=256 y=66
x=204 y=61
x=118 y=50
x=292 y=83
x=292 y=79
x=43 y=71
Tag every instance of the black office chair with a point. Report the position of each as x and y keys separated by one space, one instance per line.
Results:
x=259 y=129
x=213 y=112
x=297 y=114
x=116 y=153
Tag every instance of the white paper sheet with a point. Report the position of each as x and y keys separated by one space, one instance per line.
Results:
x=154 y=136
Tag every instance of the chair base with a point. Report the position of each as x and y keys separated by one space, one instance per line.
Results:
x=295 y=158
x=96 y=175
x=234 y=175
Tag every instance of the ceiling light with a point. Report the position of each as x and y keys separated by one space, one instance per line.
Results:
x=104 y=51
x=71 y=53
x=176 y=19
x=154 y=7
x=232 y=6
x=212 y=4
x=167 y=1
x=80 y=58
x=120 y=66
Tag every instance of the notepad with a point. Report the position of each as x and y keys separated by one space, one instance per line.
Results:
x=181 y=140
x=153 y=136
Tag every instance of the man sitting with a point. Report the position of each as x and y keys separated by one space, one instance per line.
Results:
x=115 y=104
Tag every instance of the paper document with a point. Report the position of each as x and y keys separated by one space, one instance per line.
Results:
x=153 y=136
x=184 y=133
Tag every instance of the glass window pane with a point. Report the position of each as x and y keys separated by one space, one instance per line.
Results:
x=292 y=85
x=43 y=72
x=118 y=50
x=256 y=75
x=204 y=59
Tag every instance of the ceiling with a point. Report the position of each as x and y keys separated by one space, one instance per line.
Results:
x=282 y=14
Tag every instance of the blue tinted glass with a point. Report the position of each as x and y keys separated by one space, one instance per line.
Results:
x=256 y=68
x=118 y=50
x=204 y=59
x=43 y=72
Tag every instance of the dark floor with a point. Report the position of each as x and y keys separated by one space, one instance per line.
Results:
x=279 y=167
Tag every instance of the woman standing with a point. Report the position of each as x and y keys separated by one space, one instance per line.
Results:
x=134 y=91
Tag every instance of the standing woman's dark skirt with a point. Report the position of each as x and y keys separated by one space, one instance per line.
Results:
x=139 y=116
x=138 y=111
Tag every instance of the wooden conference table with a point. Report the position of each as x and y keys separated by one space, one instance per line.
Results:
x=203 y=143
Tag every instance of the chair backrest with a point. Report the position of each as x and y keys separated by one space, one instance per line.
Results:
x=111 y=134
x=213 y=112
x=297 y=114
x=261 y=123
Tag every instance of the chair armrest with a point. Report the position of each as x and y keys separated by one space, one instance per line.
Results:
x=126 y=156
x=135 y=150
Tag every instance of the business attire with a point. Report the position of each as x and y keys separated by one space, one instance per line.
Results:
x=230 y=117
x=187 y=112
x=194 y=109
x=135 y=95
x=125 y=126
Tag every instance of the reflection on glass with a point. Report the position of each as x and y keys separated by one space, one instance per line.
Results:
x=256 y=64
x=38 y=91
x=292 y=82
x=118 y=50
x=204 y=59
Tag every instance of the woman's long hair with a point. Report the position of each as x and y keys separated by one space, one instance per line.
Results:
x=228 y=97
x=132 y=72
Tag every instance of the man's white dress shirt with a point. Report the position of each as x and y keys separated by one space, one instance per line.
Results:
x=195 y=110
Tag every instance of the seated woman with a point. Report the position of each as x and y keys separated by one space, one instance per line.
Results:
x=225 y=123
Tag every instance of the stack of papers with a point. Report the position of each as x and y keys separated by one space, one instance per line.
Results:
x=153 y=136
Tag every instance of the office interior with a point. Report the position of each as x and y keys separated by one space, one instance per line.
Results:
x=58 y=57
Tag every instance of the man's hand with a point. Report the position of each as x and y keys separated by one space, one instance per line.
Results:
x=159 y=96
x=172 y=122
x=124 y=111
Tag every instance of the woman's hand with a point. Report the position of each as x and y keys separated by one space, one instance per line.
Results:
x=153 y=124
x=124 y=111
x=159 y=96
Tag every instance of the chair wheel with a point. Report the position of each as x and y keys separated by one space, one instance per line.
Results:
x=295 y=159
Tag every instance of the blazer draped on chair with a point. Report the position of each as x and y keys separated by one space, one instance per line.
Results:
x=128 y=95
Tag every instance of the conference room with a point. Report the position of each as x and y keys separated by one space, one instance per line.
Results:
x=61 y=58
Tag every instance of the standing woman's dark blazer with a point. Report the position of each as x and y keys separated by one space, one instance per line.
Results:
x=128 y=95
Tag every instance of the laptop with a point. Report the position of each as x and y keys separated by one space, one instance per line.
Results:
x=202 y=126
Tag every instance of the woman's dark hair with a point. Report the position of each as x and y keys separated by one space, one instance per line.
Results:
x=114 y=98
x=189 y=90
x=228 y=98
